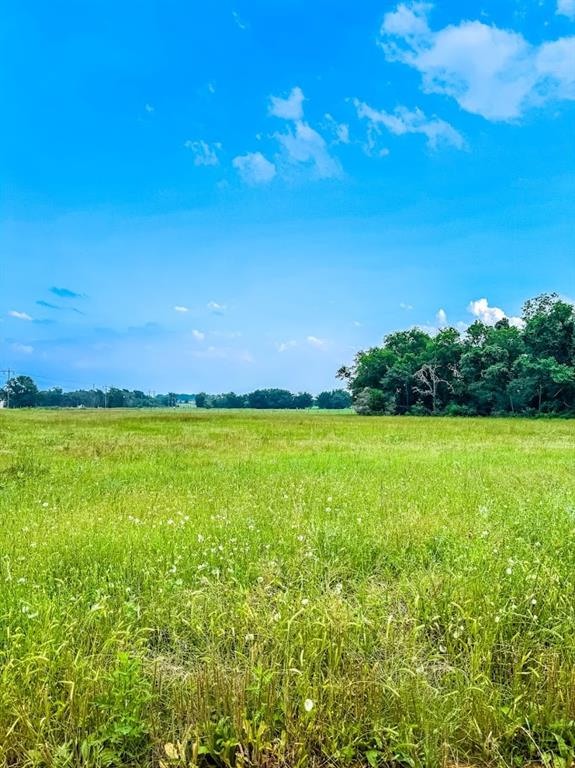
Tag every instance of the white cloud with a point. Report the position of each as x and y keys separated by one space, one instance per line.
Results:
x=340 y=130
x=290 y=108
x=283 y=346
x=180 y=308
x=357 y=324
x=19 y=315
x=24 y=349
x=403 y=121
x=198 y=335
x=254 y=168
x=313 y=341
x=217 y=309
x=204 y=153
x=566 y=8
x=304 y=145
x=409 y=21
x=492 y=72
x=403 y=305
x=491 y=315
x=441 y=317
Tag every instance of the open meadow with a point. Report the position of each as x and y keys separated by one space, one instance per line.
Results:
x=285 y=589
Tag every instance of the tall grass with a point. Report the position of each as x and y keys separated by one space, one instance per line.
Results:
x=252 y=589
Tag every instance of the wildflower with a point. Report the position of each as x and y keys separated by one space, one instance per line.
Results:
x=250 y=638
x=533 y=601
x=276 y=616
x=200 y=538
x=508 y=571
x=338 y=588
x=305 y=602
x=308 y=705
x=260 y=579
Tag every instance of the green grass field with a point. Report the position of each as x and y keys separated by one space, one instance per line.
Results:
x=285 y=589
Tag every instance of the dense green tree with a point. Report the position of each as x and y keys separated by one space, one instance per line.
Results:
x=334 y=399
x=271 y=398
x=527 y=366
x=202 y=400
x=19 y=392
x=303 y=400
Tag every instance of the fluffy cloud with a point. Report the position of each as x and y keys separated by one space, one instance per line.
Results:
x=491 y=315
x=19 y=315
x=254 y=168
x=217 y=309
x=180 y=308
x=204 y=153
x=403 y=121
x=304 y=145
x=290 y=108
x=491 y=72
x=566 y=8
x=198 y=335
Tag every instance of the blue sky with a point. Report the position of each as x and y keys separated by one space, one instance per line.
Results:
x=234 y=195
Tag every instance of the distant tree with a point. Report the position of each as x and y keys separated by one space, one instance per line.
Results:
x=334 y=399
x=202 y=400
x=303 y=400
x=229 y=400
x=271 y=398
x=20 y=392
x=50 y=398
x=116 y=398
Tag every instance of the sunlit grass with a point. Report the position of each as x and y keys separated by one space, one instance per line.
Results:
x=299 y=589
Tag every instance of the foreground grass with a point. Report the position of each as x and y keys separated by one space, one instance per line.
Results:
x=299 y=589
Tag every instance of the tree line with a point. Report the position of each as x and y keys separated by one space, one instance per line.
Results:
x=276 y=398
x=22 y=392
x=526 y=368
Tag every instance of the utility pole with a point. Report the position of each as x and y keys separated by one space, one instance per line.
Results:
x=8 y=372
